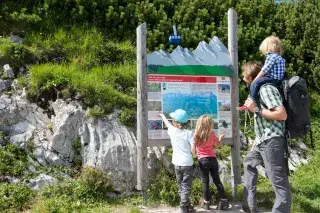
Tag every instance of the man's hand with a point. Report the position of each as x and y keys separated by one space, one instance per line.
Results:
x=250 y=104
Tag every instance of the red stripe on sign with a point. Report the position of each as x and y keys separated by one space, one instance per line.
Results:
x=181 y=78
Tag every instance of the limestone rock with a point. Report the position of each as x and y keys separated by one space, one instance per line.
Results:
x=40 y=182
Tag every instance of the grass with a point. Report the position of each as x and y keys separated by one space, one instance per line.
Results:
x=84 y=46
x=104 y=88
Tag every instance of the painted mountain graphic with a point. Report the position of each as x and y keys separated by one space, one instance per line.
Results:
x=206 y=59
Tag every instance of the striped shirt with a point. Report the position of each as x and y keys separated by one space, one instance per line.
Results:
x=274 y=66
x=269 y=97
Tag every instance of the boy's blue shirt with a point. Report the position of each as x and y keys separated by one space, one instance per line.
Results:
x=274 y=66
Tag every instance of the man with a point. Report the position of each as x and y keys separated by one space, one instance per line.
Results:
x=270 y=143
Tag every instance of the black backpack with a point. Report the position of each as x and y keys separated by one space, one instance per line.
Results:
x=296 y=102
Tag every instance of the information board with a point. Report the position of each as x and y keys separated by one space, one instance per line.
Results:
x=196 y=94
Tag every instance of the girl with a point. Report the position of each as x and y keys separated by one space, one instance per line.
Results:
x=205 y=140
x=181 y=140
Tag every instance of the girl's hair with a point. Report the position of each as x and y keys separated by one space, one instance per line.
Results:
x=251 y=68
x=203 y=129
x=271 y=44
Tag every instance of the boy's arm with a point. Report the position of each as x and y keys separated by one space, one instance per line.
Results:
x=165 y=120
x=193 y=150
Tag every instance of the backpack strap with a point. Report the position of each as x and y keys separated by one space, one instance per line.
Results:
x=287 y=154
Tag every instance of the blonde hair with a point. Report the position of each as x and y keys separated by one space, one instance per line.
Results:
x=251 y=68
x=271 y=44
x=203 y=129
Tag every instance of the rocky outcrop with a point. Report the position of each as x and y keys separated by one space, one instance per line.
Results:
x=111 y=147
x=103 y=143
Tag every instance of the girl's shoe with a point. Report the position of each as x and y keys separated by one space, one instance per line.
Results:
x=205 y=204
x=242 y=108
x=223 y=204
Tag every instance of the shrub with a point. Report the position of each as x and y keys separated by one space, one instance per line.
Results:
x=77 y=160
x=17 y=55
x=96 y=180
x=164 y=189
x=96 y=112
x=128 y=117
x=15 y=197
x=22 y=81
x=13 y=160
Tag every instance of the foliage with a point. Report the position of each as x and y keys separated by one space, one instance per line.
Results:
x=128 y=117
x=15 y=197
x=108 y=87
x=164 y=189
x=88 y=190
x=223 y=152
x=13 y=160
x=97 y=181
x=77 y=160
x=305 y=187
x=96 y=112
x=22 y=81
x=293 y=21
x=17 y=55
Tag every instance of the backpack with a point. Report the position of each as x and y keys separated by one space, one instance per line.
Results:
x=296 y=102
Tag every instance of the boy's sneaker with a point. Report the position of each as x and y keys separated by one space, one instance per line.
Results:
x=223 y=204
x=184 y=209
x=241 y=108
x=205 y=204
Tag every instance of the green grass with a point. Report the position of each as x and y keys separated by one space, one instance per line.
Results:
x=84 y=46
x=107 y=87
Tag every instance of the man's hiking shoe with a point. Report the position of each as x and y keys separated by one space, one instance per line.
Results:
x=223 y=204
x=191 y=209
x=241 y=108
x=205 y=205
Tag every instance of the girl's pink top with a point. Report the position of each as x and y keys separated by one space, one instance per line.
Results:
x=206 y=149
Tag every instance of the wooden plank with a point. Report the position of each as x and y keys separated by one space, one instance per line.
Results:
x=166 y=142
x=142 y=110
x=233 y=50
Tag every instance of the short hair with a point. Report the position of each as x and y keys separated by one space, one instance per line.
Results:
x=271 y=44
x=251 y=68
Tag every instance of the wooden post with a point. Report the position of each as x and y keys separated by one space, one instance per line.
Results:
x=233 y=51
x=142 y=111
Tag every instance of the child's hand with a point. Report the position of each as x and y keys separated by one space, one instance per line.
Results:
x=162 y=116
x=221 y=136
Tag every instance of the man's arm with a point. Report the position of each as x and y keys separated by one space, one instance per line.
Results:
x=271 y=97
x=277 y=113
